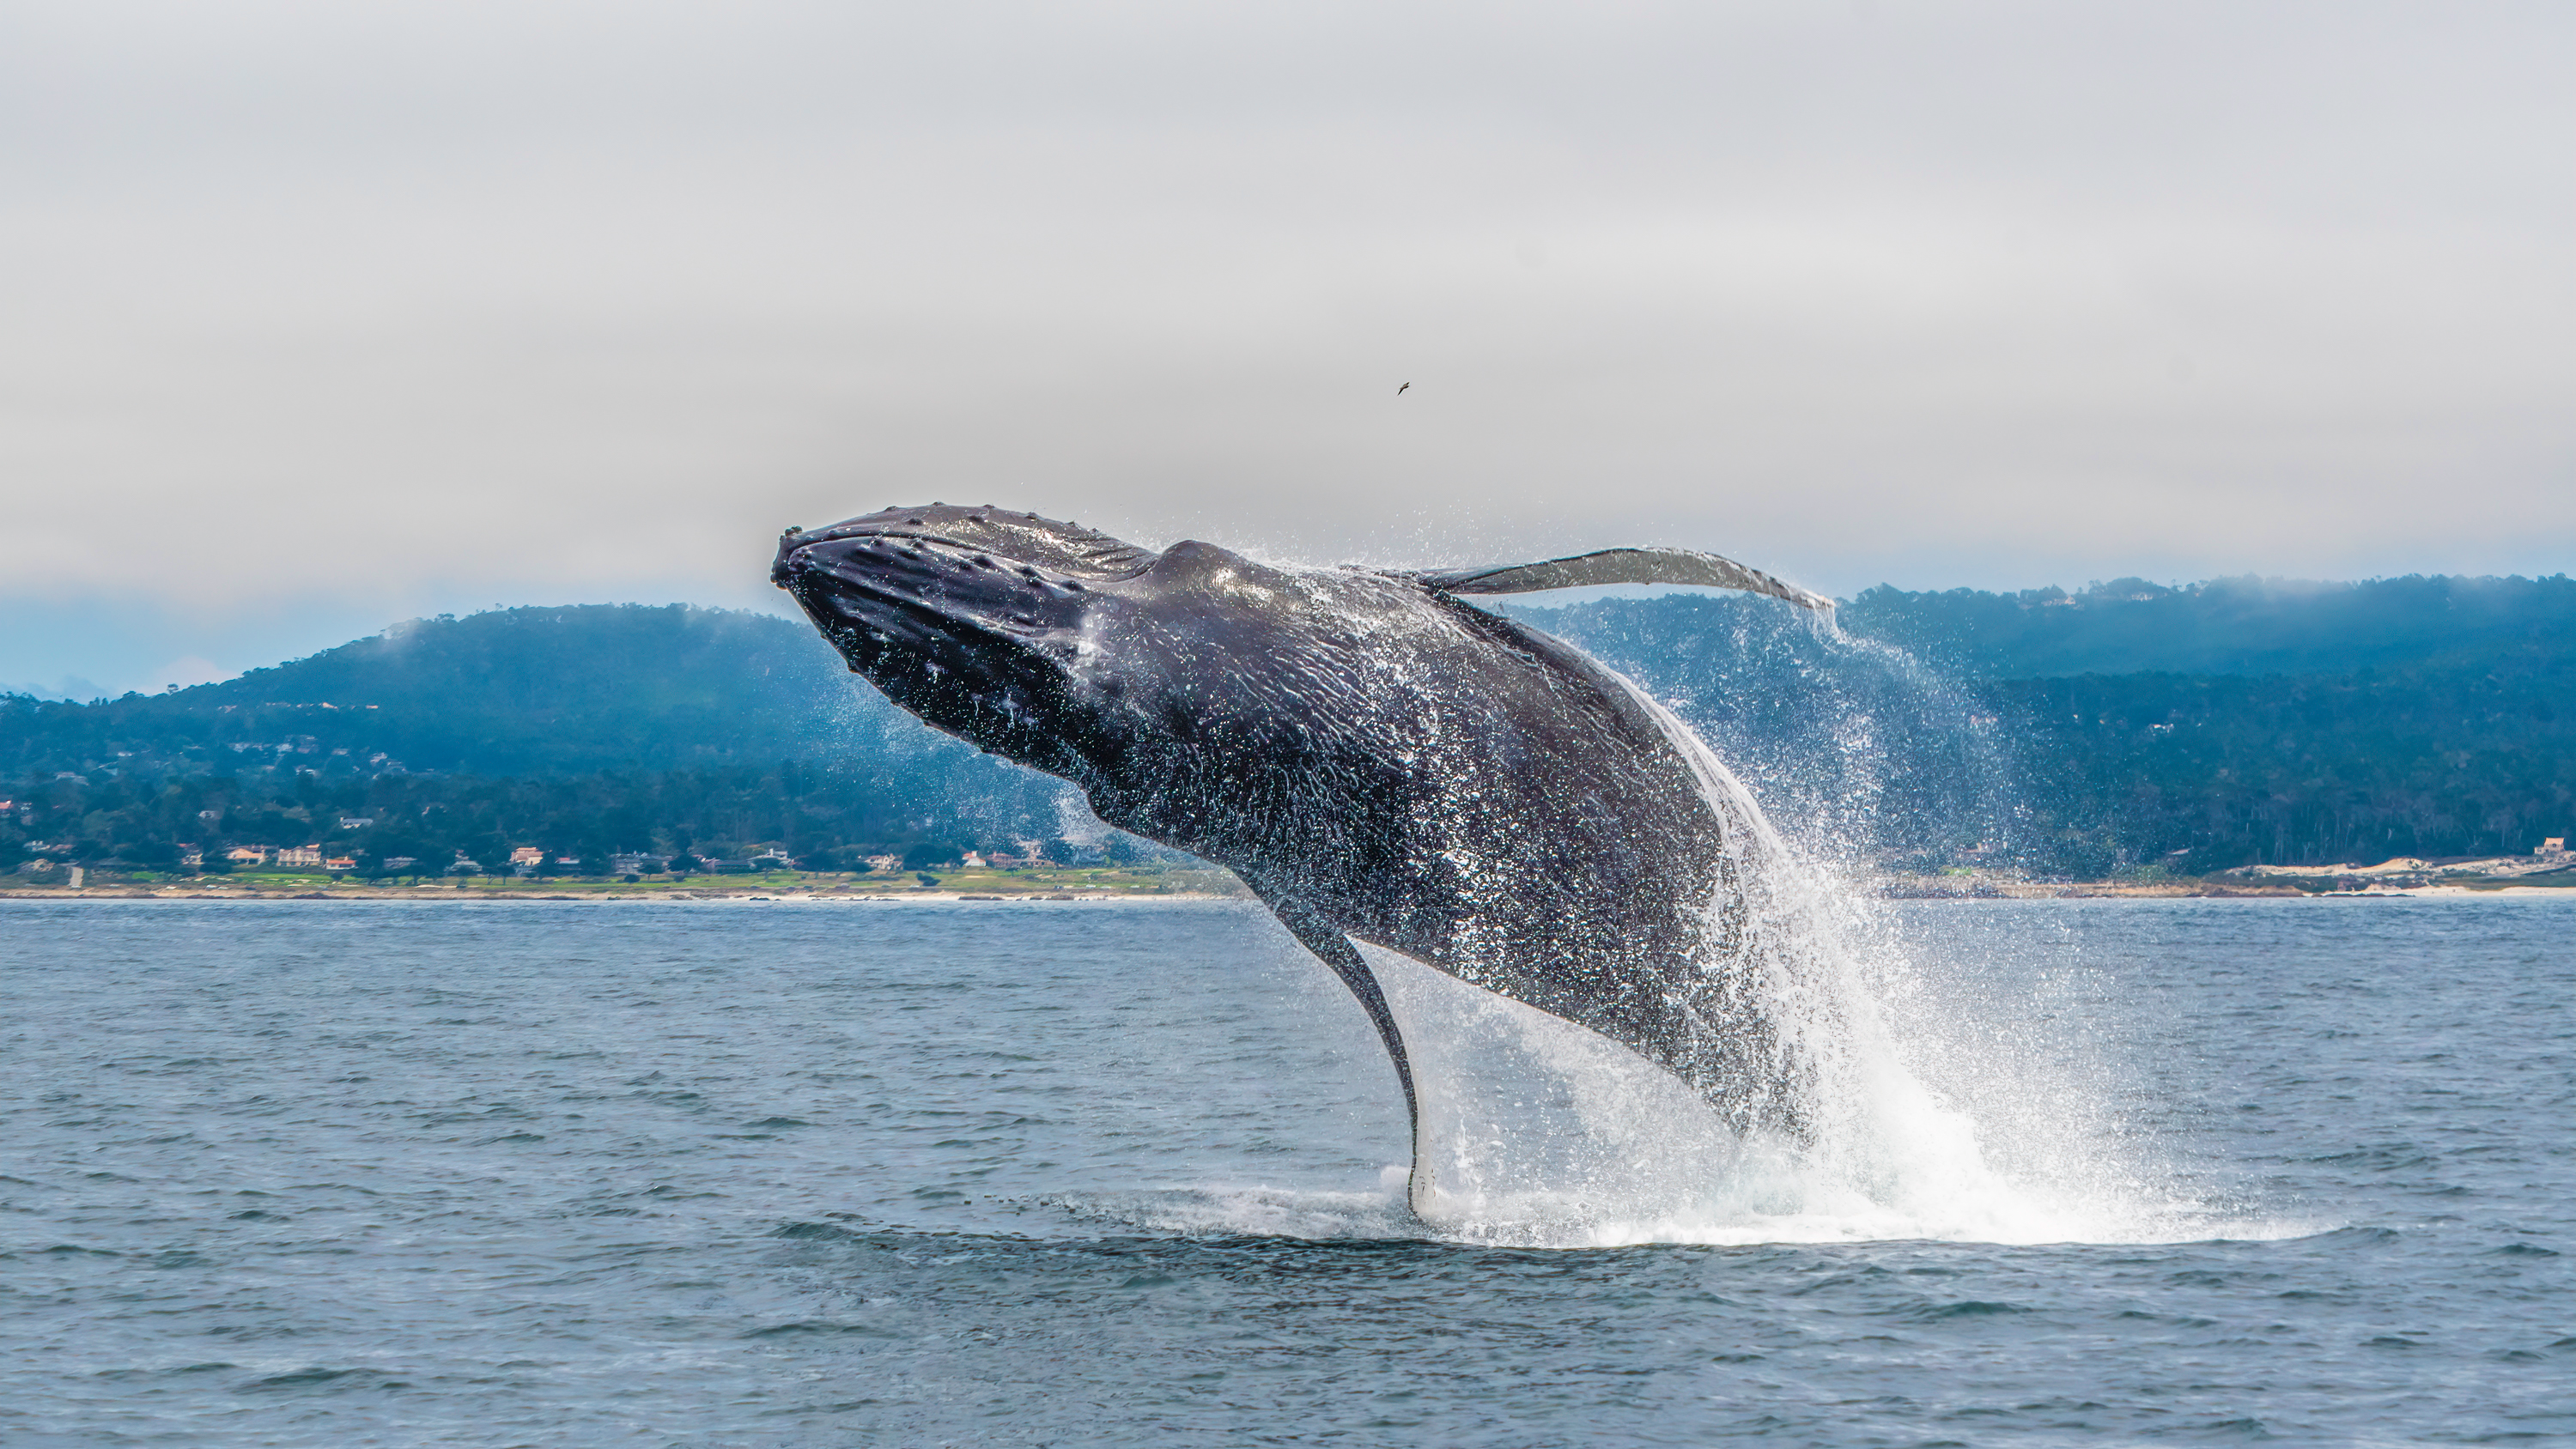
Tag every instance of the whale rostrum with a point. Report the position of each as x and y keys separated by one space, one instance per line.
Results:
x=1378 y=760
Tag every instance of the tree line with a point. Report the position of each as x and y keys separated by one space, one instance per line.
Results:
x=2130 y=726
x=2432 y=718
x=824 y=816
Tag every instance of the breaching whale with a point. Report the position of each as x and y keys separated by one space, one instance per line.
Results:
x=1377 y=759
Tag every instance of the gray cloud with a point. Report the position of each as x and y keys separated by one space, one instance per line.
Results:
x=403 y=306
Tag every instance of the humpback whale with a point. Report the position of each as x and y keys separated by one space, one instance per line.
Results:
x=1377 y=759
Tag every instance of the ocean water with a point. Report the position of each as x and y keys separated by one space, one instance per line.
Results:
x=785 y=1173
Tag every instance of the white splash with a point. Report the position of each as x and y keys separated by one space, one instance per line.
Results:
x=1538 y=1132
x=1932 y=1112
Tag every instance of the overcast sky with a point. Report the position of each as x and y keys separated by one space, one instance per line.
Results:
x=316 y=316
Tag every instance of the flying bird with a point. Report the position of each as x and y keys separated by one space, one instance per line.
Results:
x=1399 y=392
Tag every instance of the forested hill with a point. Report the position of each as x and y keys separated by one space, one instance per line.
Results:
x=583 y=730
x=512 y=692
x=2133 y=726
x=2124 y=727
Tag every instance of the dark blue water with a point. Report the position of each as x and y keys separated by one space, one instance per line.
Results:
x=744 y=1174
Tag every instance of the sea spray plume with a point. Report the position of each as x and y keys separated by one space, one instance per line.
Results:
x=1863 y=756
x=1376 y=759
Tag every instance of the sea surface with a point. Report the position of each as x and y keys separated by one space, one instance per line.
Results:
x=791 y=1173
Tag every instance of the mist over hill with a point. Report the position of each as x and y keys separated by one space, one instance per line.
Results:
x=2239 y=626
x=2129 y=726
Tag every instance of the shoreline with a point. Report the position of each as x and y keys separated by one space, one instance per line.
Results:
x=1199 y=889
x=1051 y=883
x=926 y=897
x=771 y=891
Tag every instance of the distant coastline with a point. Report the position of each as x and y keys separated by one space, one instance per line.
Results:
x=1202 y=884
x=2129 y=734
x=1069 y=883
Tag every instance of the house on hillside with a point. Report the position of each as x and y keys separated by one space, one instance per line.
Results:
x=246 y=855
x=340 y=862
x=356 y=822
x=300 y=855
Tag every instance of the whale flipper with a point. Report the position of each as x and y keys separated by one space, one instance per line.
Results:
x=1327 y=941
x=1621 y=566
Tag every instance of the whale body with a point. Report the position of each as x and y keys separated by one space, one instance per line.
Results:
x=1377 y=759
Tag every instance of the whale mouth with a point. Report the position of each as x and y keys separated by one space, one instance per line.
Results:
x=977 y=596
x=975 y=620
x=883 y=598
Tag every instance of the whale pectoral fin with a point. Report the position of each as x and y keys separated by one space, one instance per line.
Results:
x=1622 y=566
x=1327 y=941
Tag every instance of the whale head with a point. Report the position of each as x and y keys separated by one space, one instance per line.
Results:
x=1051 y=644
